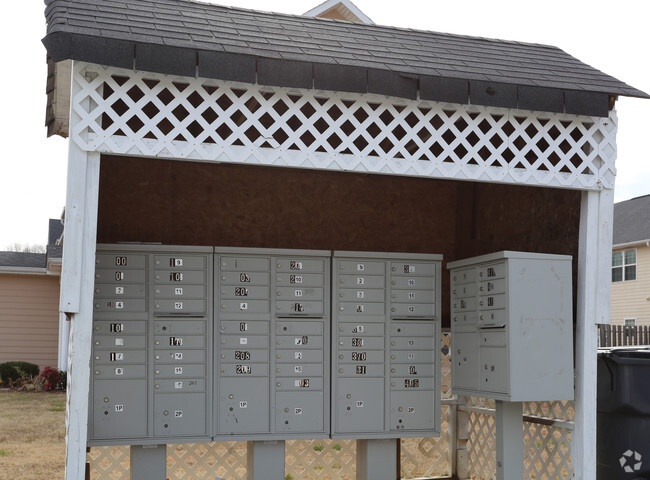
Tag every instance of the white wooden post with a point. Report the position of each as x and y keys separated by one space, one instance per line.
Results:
x=77 y=298
x=64 y=338
x=594 y=277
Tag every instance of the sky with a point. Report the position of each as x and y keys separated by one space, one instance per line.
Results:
x=611 y=36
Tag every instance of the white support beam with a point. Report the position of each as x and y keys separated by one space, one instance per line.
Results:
x=81 y=232
x=594 y=271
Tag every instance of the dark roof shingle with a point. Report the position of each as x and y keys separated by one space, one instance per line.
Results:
x=21 y=259
x=196 y=27
x=632 y=220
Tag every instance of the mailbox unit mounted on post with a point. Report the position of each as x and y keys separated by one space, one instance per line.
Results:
x=385 y=345
x=512 y=326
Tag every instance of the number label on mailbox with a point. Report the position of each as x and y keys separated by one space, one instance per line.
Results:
x=243 y=369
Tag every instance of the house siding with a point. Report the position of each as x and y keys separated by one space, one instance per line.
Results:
x=631 y=299
x=29 y=319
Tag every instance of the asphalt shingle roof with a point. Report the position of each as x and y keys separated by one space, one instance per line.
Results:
x=632 y=220
x=21 y=259
x=226 y=42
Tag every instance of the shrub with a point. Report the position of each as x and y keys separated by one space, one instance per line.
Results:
x=52 y=379
x=13 y=371
x=63 y=380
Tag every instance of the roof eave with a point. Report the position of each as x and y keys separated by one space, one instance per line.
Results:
x=635 y=243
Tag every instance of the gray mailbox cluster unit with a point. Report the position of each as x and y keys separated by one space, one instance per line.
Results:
x=202 y=343
x=151 y=359
x=385 y=347
x=512 y=329
x=273 y=343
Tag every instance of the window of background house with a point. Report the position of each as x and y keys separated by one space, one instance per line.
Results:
x=624 y=265
x=630 y=322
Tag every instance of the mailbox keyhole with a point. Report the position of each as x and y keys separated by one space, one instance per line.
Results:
x=105 y=412
x=284 y=328
x=164 y=328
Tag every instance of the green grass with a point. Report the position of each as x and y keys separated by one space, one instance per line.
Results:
x=5 y=453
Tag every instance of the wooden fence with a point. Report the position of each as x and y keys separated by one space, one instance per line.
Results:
x=620 y=335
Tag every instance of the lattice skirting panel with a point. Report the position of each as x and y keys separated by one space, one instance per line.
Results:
x=142 y=113
x=547 y=449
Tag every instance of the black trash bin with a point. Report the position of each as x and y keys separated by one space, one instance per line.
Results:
x=623 y=444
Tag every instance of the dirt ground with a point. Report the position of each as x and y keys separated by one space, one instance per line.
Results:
x=32 y=435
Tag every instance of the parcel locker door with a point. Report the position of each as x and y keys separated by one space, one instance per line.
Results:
x=243 y=405
x=119 y=409
x=360 y=405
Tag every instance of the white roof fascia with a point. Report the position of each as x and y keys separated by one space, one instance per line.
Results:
x=23 y=270
x=345 y=4
x=636 y=243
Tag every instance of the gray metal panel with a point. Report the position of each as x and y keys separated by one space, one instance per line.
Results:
x=118 y=410
x=299 y=412
x=177 y=415
x=359 y=405
x=243 y=406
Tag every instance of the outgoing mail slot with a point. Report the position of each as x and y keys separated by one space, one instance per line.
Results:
x=463 y=290
x=297 y=265
x=120 y=305
x=361 y=295
x=299 y=294
x=244 y=369
x=179 y=341
x=299 y=307
x=245 y=279
x=186 y=385
x=492 y=302
x=361 y=342
x=245 y=264
x=303 y=341
x=360 y=356
x=113 y=291
x=179 y=414
x=119 y=371
x=179 y=277
x=119 y=276
x=362 y=281
x=106 y=342
x=411 y=282
x=121 y=357
x=299 y=328
x=244 y=306
x=298 y=355
x=411 y=370
x=187 y=327
x=184 y=292
x=410 y=357
x=493 y=318
x=411 y=343
x=179 y=371
x=402 y=269
x=467 y=275
x=244 y=355
x=123 y=327
x=120 y=260
x=361 y=308
x=243 y=342
x=361 y=370
x=179 y=262
x=244 y=327
x=411 y=384
x=299 y=280
x=412 y=309
x=495 y=270
x=179 y=307
x=357 y=267
x=298 y=384
x=176 y=357
x=361 y=329
x=413 y=330
x=244 y=293
x=299 y=370
x=413 y=296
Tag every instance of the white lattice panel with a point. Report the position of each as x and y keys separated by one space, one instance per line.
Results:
x=142 y=113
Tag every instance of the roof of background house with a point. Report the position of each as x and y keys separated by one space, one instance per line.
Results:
x=632 y=220
x=183 y=37
x=22 y=259
x=55 y=230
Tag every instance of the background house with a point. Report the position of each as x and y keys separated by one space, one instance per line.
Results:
x=630 y=304
x=29 y=303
